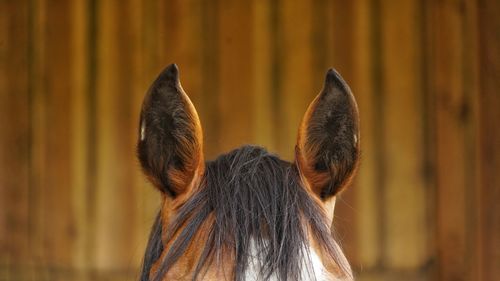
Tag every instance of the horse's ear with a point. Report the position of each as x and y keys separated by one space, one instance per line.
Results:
x=327 y=150
x=170 y=136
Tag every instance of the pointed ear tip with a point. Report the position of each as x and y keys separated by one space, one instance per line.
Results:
x=170 y=72
x=333 y=75
x=172 y=69
x=331 y=70
x=333 y=79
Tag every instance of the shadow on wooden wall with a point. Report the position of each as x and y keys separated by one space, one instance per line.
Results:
x=74 y=206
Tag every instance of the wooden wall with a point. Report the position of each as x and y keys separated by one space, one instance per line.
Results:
x=74 y=206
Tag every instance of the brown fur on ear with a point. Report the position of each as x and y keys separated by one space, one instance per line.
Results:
x=327 y=150
x=170 y=136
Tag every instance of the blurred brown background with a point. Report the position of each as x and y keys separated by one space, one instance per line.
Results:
x=426 y=74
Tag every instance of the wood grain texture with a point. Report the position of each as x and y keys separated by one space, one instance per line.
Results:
x=454 y=71
x=55 y=83
x=368 y=216
x=14 y=135
x=52 y=228
x=452 y=162
x=117 y=48
x=264 y=94
x=81 y=127
x=295 y=82
x=488 y=240
x=210 y=65
x=235 y=74
x=403 y=149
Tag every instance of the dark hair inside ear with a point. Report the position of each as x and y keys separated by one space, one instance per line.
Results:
x=328 y=138
x=321 y=166
x=170 y=143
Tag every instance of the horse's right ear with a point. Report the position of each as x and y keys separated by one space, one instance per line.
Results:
x=327 y=150
x=170 y=135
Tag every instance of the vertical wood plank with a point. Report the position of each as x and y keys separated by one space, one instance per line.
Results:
x=235 y=74
x=403 y=150
x=296 y=89
x=450 y=145
x=53 y=228
x=37 y=146
x=470 y=115
x=489 y=140
x=263 y=102
x=14 y=136
x=366 y=183
x=58 y=233
x=210 y=77
x=80 y=147
x=116 y=165
x=453 y=72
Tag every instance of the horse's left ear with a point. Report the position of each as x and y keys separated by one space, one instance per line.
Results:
x=327 y=150
x=170 y=136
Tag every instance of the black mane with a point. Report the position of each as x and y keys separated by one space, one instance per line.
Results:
x=251 y=195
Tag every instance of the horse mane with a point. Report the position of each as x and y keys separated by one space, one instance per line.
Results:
x=250 y=198
x=153 y=249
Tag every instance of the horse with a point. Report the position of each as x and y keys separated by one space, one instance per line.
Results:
x=247 y=215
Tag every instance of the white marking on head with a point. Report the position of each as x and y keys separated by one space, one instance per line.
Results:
x=143 y=130
x=355 y=140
